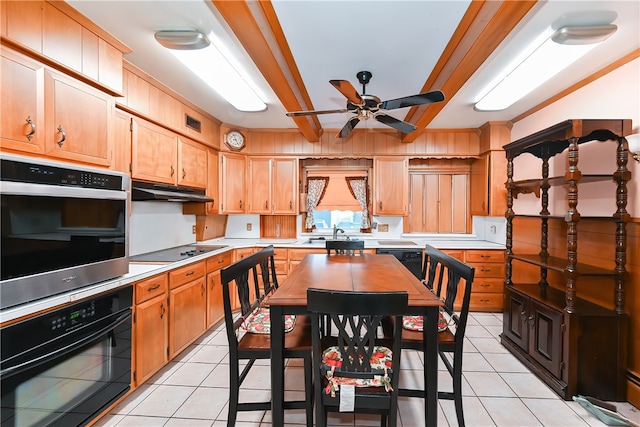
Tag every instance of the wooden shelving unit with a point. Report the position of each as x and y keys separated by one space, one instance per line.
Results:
x=577 y=346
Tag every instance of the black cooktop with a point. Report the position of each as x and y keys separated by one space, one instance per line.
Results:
x=174 y=254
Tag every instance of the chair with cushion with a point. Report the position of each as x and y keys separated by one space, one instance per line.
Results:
x=356 y=371
x=344 y=247
x=443 y=273
x=249 y=332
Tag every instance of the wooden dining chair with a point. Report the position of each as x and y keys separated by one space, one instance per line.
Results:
x=344 y=247
x=443 y=273
x=356 y=366
x=249 y=332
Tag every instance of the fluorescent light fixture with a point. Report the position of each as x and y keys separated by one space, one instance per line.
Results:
x=549 y=54
x=207 y=58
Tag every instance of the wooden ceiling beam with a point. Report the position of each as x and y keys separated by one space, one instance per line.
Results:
x=256 y=26
x=483 y=27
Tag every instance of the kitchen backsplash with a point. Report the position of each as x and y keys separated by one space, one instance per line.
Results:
x=159 y=225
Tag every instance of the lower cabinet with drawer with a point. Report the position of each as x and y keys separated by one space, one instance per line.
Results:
x=488 y=283
x=215 y=307
x=187 y=306
x=151 y=327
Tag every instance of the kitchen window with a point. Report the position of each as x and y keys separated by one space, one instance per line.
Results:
x=339 y=197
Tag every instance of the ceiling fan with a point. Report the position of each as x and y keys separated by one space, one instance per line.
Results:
x=369 y=106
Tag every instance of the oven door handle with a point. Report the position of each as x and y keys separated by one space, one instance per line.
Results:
x=21 y=367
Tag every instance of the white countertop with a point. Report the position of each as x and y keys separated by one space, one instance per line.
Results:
x=141 y=271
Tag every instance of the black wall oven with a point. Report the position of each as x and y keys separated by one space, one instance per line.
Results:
x=64 y=367
x=63 y=227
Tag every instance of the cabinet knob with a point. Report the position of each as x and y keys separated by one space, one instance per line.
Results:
x=63 y=137
x=33 y=128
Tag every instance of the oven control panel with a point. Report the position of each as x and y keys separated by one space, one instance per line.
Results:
x=75 y=318
x=35 y=173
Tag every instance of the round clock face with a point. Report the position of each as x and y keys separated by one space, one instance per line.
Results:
x=235 y=140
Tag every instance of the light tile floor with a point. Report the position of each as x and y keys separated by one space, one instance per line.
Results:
x=192 y=390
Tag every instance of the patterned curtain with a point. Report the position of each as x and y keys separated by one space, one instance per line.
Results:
x=360 y=190
x=316 y=187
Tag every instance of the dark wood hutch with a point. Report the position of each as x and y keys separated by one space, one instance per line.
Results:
x=575 y=343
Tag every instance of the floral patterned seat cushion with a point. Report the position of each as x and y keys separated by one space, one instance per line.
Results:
x=416 y=323
x=259 y=322
x=381 y=360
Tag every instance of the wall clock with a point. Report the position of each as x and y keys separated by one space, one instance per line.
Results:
x=234 y=140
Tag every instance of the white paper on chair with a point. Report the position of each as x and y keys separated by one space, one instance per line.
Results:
x=347 y=398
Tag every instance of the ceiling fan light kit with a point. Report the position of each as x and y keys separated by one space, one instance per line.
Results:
x=366 y=106
x=549 y=54
x=207 y=58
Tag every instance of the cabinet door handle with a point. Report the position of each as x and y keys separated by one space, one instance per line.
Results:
x=33 y=128
x=290 y=204
x=172 y=171
x=153 y=287
x=64 y=136
x=380 y=204
x=240 y=204
x=191 y=273
x=204 y=289
x=162 y=310
x=523 y=315
x=266 y=204
x=220 y=261
x=184 y=173
x=532 y=321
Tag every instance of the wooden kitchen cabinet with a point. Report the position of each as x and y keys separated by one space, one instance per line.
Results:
x=391 y=186
x=215 y=305
x=487 y=293
x=78 y=121
x=21 y=103
x=297 y=255
x=213 y=190
x=187 y=306
x=47 y=113
x=233 y=183
x=192 y=158
x=260 y=188
x=438 y=202
x=151 y=327
x=153 y=153
x=273 y=185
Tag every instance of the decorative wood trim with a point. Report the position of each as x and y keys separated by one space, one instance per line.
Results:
x=245 y=22
x=485 y=25
x=579 y=85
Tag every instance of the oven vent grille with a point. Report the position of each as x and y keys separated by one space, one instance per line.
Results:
x=193 y=123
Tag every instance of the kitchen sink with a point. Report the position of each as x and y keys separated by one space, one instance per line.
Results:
x=321 y=240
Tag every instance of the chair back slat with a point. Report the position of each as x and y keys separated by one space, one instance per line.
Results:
x=344 y=247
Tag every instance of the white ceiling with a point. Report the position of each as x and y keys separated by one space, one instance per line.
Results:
x=398 y=41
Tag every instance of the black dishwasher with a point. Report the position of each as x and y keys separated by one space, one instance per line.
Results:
x=410 y=258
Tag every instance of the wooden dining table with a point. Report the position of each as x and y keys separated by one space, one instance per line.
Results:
x=364 y=273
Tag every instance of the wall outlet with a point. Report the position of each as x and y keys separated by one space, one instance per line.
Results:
x=193 y=229
x=248 y=226
x=383 y=228
x=492 y=229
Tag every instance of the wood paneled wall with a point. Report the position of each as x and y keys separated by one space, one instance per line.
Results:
x=364 y=142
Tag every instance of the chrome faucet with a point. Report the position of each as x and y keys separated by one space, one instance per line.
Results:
x=335 y=231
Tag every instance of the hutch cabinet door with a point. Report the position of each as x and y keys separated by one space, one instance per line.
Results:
x=546 y=336
x=515 y=318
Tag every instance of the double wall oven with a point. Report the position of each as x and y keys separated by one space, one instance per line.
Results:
x=64 y=227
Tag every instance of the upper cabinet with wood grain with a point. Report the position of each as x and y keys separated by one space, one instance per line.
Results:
x=65 y=40
x=273 y=185
x=47 y=113
x=233 y=183
x=391 y=186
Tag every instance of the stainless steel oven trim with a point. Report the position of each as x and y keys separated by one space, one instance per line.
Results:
x=20 y=290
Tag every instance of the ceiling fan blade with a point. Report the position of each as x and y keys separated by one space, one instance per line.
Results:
x=347 y=89
x=403 y=127
x=410 y=101
x=312 y=112
x=346 y=130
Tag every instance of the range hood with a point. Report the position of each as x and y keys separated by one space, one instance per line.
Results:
x=143 y=191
